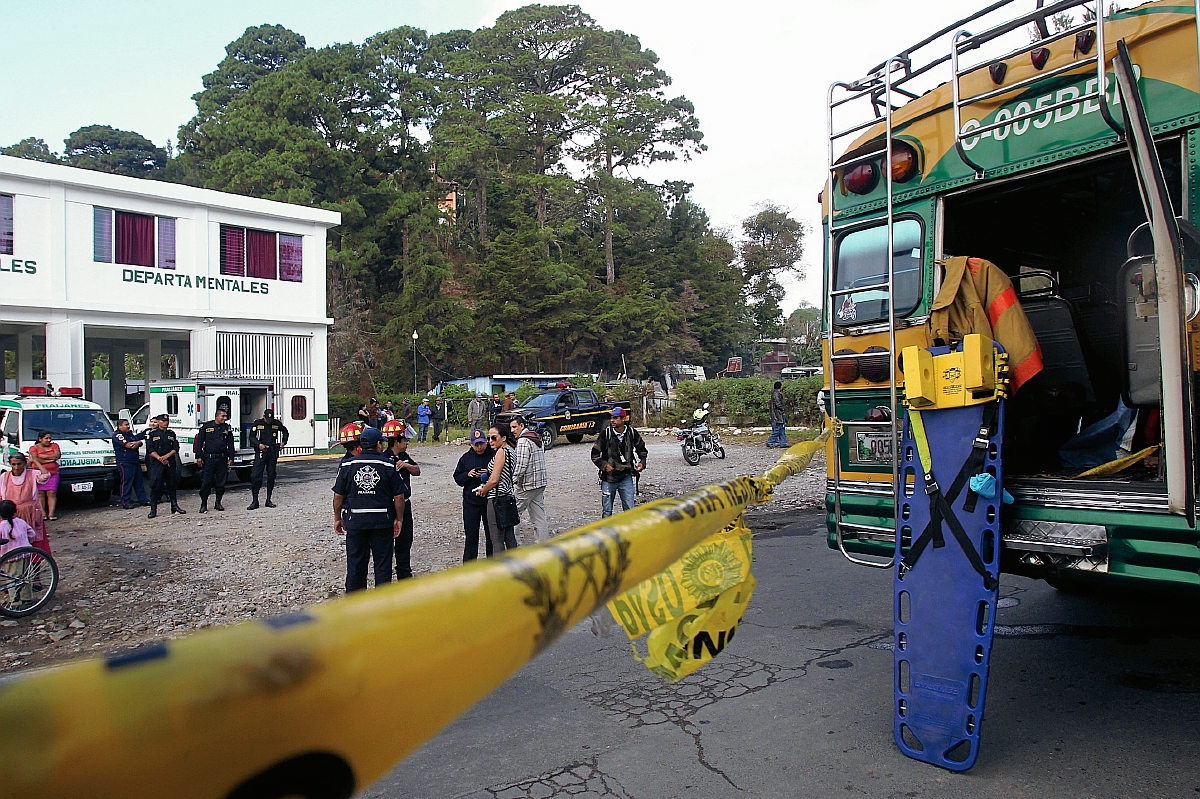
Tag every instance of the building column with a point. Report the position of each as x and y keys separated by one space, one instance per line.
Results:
x=320 y=384
x=64 y=353
x=24 y=359
x=153 y=362
x=204 y=349
x=116 y=376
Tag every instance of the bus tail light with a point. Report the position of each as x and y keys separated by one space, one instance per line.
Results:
x=904 y=162
x=998 y=71
x=1039 y=57
x=861 y=179
x=875 y=368
x=1084 y=41
x=845 y=370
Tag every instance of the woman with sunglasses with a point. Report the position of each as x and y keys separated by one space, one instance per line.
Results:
x=20 y=486
x=499 y=487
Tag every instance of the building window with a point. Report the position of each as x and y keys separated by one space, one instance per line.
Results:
x=299 y=408
x=291 y=258
x=6 y=224
x=261 y=254
x=125 y=238
x=233 y=251
x=166 y=242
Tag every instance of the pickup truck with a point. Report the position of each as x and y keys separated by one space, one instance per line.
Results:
x=570 y=412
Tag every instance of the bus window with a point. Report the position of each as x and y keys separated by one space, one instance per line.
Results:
x=861 y=262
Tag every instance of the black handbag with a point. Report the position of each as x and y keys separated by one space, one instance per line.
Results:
x=506 y=511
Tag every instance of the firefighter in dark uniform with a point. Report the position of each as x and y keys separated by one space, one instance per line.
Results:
x=214 y=456
x=267 y=436
x=368 y=505
x=162 y=462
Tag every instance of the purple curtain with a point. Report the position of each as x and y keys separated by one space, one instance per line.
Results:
x=291 y=258
x=135 y=239
x=166 y=242
x=260 y=255
x=6 y=224
x=233 y=251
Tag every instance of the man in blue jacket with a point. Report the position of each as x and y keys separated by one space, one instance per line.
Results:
x=127 y=446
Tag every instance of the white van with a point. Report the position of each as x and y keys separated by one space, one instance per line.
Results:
x=190 y=403
x=80 y=428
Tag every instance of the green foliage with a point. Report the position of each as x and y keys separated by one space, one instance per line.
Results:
x=525 y=391
x=121 y=152
x=344 y=407
x=746 y=400
x=773 y=245
x=32 y=149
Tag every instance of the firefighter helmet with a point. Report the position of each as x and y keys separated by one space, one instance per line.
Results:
x=395 y=428
x=350 y=433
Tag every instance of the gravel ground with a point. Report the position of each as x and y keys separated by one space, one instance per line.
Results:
x=126 y=580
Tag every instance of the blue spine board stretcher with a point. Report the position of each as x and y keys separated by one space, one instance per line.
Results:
x=944 y=613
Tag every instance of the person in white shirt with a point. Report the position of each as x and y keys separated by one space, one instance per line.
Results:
x=529 y=478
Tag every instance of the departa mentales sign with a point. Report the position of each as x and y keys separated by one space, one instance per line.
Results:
x=162 y=278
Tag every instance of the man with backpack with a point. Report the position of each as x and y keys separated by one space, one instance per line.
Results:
x=620 y=454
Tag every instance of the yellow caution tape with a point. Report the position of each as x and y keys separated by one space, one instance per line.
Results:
x=1118 y=465
x=675 y=651
x=338 y=693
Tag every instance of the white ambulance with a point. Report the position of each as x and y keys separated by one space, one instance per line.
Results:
x=80 y=428
x=190 y=403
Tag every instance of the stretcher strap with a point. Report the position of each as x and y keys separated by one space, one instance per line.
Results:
x=940 y=505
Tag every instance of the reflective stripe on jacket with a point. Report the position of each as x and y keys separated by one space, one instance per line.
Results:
x=977 y=297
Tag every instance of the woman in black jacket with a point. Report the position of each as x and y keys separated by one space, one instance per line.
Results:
x=471 y=466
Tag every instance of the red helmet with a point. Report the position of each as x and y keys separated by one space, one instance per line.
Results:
x=350 y=433
x=395 y=428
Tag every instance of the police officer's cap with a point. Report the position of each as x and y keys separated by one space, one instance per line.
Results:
x=370 y=437
x=162 y=417
x=269 y=414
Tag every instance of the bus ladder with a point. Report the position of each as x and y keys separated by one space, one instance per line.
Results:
x=881 y=90
x=964 y=42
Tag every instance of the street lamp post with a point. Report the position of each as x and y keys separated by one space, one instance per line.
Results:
x=414 y=362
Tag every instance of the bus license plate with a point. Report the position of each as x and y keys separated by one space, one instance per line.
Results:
x=77 y=487
x=872 y=448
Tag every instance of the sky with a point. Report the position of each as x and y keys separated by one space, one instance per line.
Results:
x=756 y=70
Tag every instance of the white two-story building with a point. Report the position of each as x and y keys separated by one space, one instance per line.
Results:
x=191 y=282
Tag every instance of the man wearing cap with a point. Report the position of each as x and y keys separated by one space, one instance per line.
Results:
x=471 y=473
x=268 y=435
x=619 y=453
x=477 y=413
x=397 y=436
x=162 y=464
x=214 y=455
x=424 y=415
x=368 y=506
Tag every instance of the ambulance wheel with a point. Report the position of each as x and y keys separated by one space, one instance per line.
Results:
x=102 y=495
x=243 y=473
x=574 y=438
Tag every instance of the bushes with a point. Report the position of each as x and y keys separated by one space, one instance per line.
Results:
x=747 y=400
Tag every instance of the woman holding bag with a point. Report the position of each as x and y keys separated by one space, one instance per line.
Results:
x=502 y=502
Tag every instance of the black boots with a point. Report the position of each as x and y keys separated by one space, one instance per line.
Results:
x=254 y=504
x=204 y=504
x=153 y=510
x=218 y=505
x=175 y=505
x=270 y=504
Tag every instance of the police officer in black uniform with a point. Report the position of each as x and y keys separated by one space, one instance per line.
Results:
x=162 y=462
x=368 y=505
x=267 y=436
x=214 y=455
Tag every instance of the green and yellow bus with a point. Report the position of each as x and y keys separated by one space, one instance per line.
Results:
x=1017 y=145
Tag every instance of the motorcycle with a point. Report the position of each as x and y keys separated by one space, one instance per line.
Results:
x=699 y=439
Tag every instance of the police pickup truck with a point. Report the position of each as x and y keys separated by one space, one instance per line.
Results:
x=562 y=411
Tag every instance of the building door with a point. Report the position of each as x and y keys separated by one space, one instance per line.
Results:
x=296 y=412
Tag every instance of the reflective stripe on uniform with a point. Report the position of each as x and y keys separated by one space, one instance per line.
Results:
x=368 y=510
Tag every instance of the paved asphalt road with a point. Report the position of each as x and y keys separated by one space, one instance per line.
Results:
x=1089 y=697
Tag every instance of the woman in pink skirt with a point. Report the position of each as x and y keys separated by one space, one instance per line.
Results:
x=21 y=487
x=46 y=453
